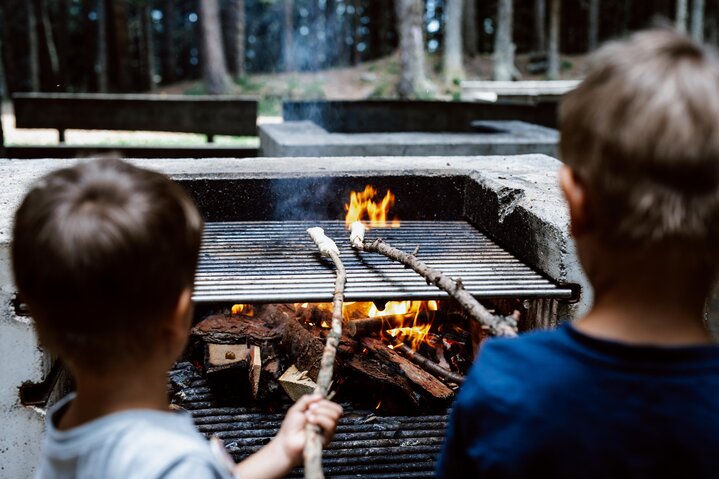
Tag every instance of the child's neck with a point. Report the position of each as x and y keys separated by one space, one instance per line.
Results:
x=654 y=311
x=102 y=394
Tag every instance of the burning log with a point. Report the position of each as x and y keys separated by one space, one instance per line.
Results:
x=367 y=326
x=313 y=444
x=498 y=325
x=429 y=365
x=303 y=348
x=223 y=328
x=421 y=378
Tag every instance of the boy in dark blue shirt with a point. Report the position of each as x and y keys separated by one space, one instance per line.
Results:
x=631 y=389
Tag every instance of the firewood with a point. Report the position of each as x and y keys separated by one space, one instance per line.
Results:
x=367 y=326
x=377 y=373
x=304 y=349
x=255 y=370
x=313 y=442
x=224 y=328
x=421 y=378
x=429 y=365
x=297 y=383
x=219 y=355
x=498 y=325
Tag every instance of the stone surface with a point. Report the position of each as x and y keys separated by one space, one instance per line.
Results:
x=305 y=138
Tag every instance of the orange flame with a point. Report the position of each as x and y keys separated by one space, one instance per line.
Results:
x=243 y=310
x=362 y=206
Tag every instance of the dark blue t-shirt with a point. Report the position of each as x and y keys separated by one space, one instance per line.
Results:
x=560 y=404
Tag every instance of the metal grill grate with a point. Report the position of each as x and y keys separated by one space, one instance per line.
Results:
x=365 y=445
x=275 y=261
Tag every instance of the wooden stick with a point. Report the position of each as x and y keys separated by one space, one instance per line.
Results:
x=429 y=365
x=498 y=325
x=313 y=444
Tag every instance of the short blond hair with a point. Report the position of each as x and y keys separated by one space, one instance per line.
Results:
x=642 y=131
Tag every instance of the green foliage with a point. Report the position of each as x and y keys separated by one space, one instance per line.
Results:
x=270 y=106
x=247 y=85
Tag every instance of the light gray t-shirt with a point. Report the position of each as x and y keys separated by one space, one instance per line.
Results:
x=137 y=443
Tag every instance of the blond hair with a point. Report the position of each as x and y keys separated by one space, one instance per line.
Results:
x=642 y=131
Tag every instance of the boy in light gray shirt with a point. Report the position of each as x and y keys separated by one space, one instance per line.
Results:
x=104 y=254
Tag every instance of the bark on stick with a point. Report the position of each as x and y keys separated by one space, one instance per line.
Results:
x=313 y=444
x=497 y=325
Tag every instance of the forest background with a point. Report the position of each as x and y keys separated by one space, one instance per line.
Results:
x=300 y=49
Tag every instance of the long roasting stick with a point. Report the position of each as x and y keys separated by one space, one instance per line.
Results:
x=497 y=325
x=313 y=444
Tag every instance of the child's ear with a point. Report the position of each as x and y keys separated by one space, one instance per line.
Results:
x=181 y=318
x=575 y=192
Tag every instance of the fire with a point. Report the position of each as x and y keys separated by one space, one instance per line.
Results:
x=412 y=328
x=243 y=310
x=362 y=206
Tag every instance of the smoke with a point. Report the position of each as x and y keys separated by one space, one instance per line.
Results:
x=309 y=199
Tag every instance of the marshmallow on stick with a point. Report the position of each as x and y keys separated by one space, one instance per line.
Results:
x=357 y=234
x=323 y=242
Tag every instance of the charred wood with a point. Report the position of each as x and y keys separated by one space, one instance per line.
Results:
x=428 y=365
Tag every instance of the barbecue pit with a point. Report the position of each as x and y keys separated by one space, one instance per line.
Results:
x=501 y=203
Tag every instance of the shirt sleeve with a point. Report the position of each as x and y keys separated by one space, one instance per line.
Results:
x=195 y=468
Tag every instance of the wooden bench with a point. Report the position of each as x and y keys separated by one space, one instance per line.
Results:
x=209 y=115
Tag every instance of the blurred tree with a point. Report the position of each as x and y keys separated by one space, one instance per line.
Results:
x=62 y=42
x=452 y=59
x=540 y=25
x=681 y=15
x=214 y=68
x=593 y=40
x=288 y=35
x=147 y=46
x=33 y=60
x=503 y=58
x=120 y=66
x=413 y=80
x=553 y=60
x=470 y=28
x=697 y=30
x=4 y=92
x=169 y=61
x=102 y=48
x=236 y=34
x=49 y=51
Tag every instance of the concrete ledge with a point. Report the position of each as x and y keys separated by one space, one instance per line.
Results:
x=305 y=138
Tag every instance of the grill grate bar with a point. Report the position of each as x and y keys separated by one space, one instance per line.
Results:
x=275 y=261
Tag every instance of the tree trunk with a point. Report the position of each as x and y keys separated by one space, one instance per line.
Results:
x=33 y=55
x=413 y=80
x=288 y=33
x=553 y=60
x=63 y=41
x=102 y=48
x=236 y=9
x=503 y=46
x=698 y=20
x=169 y=63
x=540 y=25
x=470 y=32
x=148 y=47
x=214 y=68
x=593 y=41
x=48 y=41
x=452 y=59
x=4 y=94
x=121 y=57
x=681 y=15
